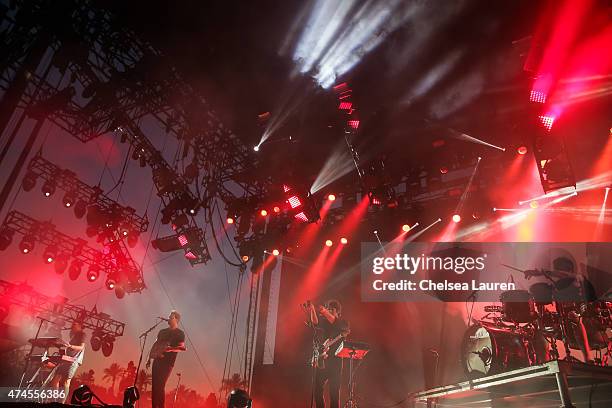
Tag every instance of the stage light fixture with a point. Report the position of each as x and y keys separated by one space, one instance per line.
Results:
x=276 y=209
x=107 y=345
x=6 y=238
x=75 y=269
x=343 y=241
x=547 y=121
x=29 y=181
x=61 y=263
x=331 y=197
x=229 y=220
x=294 y=201
x=263 y=213
x=96 y=340
x=27 y=244
x=132 y=238
x=275 y=252
x=239 y=399
x=110 y=283
x=119 y=292
x=533 y=204
x=93 y=273
x=48 y=188
x=82 y=396
x=443 y=170
x=130 y=396
x=245 y=258
x=50 y=254
x=405 y=227
x=522 y=150
x=80 y=208
x=456 y=218
x=256 y=148
x=68 y=200
x=91 y=231
x=329 y=243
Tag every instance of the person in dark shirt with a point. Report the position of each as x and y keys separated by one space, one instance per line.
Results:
x=173 y=341
x=331 y=325
x=75 y=348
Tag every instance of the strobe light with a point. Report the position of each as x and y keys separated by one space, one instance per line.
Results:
x=50 y=254
x=6 y=238
x=48 y=188
x=27 y=244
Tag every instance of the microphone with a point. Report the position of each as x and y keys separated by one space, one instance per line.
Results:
x=163 y=318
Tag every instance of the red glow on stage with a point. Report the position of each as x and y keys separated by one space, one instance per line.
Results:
x=331 y=197
x=294 y=201
x=276 y=209
x=329 y=242
x=522 y=150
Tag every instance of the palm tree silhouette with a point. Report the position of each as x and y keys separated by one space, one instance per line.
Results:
x=86 y=377
x=111 y=373
x=144 y=380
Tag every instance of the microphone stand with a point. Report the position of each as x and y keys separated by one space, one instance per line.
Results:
x=143 y=336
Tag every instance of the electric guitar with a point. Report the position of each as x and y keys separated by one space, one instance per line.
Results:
x=320 y=352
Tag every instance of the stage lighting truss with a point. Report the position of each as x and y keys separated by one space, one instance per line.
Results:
x=57 y=307
x=191 y=241
x=113 y=260
x=109 y=220
x=552 y=161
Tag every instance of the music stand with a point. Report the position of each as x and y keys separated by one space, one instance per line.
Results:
x=352 y=350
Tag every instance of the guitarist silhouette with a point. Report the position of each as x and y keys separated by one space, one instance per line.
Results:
x=328 y=367
x=169 y=342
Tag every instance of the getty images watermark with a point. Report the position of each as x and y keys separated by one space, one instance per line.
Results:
x=465 y=271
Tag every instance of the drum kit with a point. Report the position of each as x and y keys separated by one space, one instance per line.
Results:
x=524 y=330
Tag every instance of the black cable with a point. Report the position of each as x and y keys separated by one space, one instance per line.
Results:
x=217 y=243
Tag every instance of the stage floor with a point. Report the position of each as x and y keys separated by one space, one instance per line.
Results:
x=554 y=384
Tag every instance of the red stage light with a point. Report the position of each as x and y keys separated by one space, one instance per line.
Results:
x=547 y=121
x=343 y=241
x=276 y=209
x=456 y=218
x=263 y=213
x=331 y=197
x=345 y=105
x=405 y=227
x=92 y=274
x=275 y=252
x=294 y=201
x=443 y=170
x=438 y=143
x=537 y=96
x=286 y=188
x=301 y=216
x=522 y=150
x=190 y=255
x=183 y=240
x=245 y=258
x=533 y=204
x=353 y=123
x=375 y=201
x=230 y=220
x=329 y=243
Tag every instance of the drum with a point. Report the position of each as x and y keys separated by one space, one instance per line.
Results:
x=518 y=306
x=542 y=293
x=488 y=349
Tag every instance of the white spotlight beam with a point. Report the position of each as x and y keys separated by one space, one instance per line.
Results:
x=421 y=232
x=467 y=189
x=602 y=180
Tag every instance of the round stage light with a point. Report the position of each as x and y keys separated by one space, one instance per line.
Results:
x=276 y=209
x=229 y=220
x=68 y=200
x=50 y=254
x=110 y=283
x=405 y=227
x=275 y=252
x=456 y=218
x=329 y=243
x=61 y=263
x=80 y=208
x=29 y=181
x=75 y=269
x=263 y=213
x=256 y=148
x=522 y=150
x=533 y=204
x=6 y=238
x=93 y=273
x=331 y=197
x=27 y=244
x=48 y=188
x=245 y=258
x=343 y=241
x=443 y=170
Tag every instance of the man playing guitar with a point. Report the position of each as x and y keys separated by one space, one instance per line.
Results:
x=169 y=342
x=333 y=330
